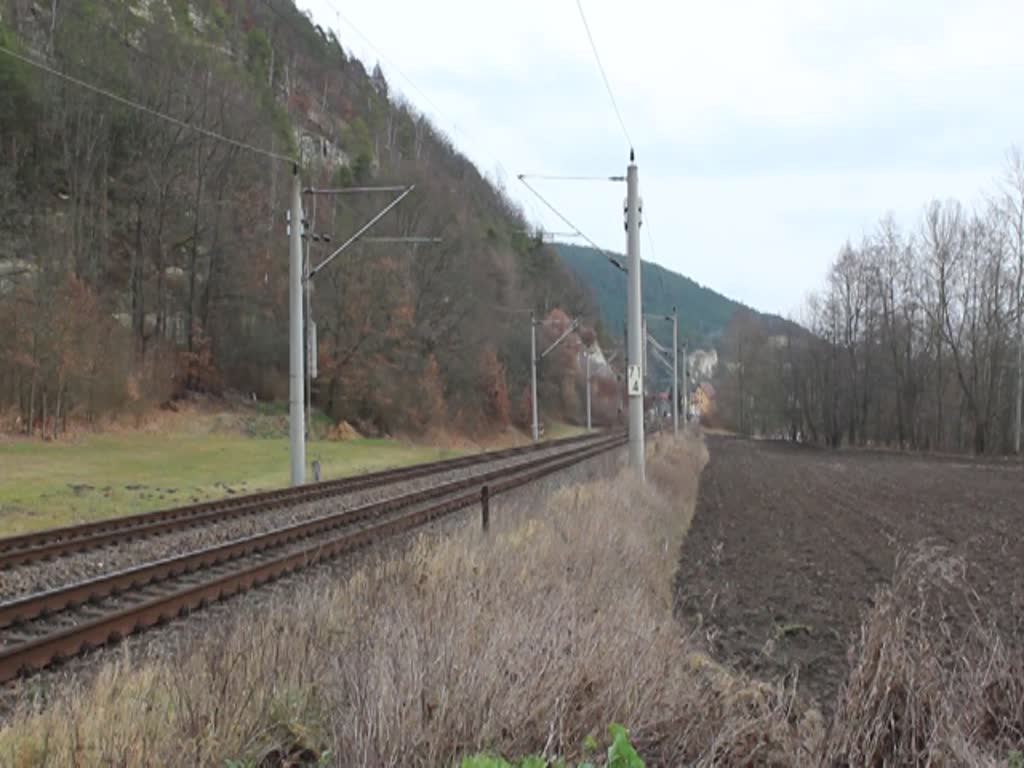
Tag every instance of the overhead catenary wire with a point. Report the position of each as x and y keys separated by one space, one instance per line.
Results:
x=618 y=114
x=558 y=213
x=657 y=355
x=439 y=114
x=387 y=60
x=143 y=108
x=604 y=75
x=291 y=23
x=612 y=258
x=650 y=241
x=522 y=177
x=559 y=177
x=353 y=190
x=380 y=214
x=412 y=83
x=550 y=177
x=439 y=117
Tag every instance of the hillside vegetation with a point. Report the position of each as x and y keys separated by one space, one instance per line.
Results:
x=163 y=249
x=181 y=458
x=704 y=314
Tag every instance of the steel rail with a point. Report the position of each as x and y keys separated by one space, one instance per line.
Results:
x=34 y=605
x=58 y=542
x=41 y=652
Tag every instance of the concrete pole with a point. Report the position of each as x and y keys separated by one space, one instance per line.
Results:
x=643 y=357
x=624 y=390
x=296 y=339
x=675 y=371
x=533 y=377
x=307 y=303
x=588 y=392
x=635 y=311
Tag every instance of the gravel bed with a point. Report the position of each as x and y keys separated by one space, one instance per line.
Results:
x=175 y=638
x=44 y=575
x=71 y=617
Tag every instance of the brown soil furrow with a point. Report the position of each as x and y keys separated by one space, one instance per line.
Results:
x=789 y=544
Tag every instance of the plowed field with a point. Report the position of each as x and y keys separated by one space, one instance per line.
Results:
x=789 y=544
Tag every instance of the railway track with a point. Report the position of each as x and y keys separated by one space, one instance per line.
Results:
x=58 y=542
x=40 y=629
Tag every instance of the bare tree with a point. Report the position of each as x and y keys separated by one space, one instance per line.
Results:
x=910 y=342
x=1013 y=212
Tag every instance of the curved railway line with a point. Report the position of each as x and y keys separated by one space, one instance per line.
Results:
x=40 y=629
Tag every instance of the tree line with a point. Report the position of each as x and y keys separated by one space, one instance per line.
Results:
x=913 y=342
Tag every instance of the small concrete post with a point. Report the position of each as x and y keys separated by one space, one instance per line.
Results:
x=485 y=508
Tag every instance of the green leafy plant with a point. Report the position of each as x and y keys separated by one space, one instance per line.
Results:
x=621 y=753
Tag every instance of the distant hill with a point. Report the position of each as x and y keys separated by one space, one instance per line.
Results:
x=703 y=313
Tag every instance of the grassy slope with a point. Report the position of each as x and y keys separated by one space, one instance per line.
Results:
x=51 y=484
x=556 y=430
x=193 y=456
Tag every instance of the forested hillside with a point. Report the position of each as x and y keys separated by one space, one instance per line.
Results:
x=140 y=258
x=703 y=313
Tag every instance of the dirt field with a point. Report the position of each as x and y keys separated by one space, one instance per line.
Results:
x=789 y=543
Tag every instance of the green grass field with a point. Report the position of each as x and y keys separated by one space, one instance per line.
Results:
x=556 y=430
x=51 y=484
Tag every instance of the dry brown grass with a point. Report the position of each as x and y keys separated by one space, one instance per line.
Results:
x=526 y=641
x=933 y=681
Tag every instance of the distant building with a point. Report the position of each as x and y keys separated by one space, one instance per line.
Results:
x=704 y=399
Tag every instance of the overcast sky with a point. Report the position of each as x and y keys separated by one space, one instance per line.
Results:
x=767 y=132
